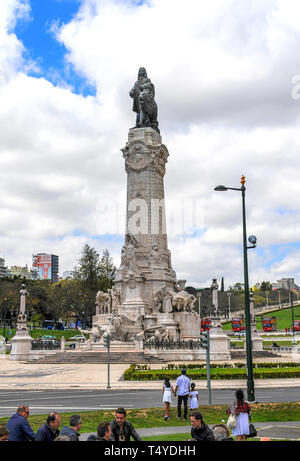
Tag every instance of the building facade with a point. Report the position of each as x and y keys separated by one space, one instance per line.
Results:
x=47 y=266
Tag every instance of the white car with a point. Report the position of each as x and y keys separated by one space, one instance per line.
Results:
x=240 y=333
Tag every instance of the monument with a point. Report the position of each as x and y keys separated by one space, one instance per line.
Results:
x=147 y=302
x=147 y=297
x=21 y=342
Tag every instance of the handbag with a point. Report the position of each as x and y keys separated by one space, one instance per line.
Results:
x=252 y=430
x=231 y=422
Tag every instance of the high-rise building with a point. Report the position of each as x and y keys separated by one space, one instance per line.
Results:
x=47 y=266
x=4 y=272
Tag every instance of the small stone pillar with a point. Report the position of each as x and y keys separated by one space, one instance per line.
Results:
x=219 y=341
x=62 y=344
x=21 y=342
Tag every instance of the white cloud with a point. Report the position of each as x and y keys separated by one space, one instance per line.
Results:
x=223 y=86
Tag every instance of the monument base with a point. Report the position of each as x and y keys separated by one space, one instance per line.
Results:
x=219 y=342
x=189 y=325
x=21 y=347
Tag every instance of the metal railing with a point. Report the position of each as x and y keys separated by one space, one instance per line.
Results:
x=172 y=345
x=38 y=345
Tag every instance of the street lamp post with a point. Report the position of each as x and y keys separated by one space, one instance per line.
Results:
x=252 y=240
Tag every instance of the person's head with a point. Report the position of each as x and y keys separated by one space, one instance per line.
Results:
x=239 y=395
x=193 y=385
x=265 y=439
x=4 y=433
x=53 y=420
x=62 y=438
x=120 y=415
x=196 y=419
x=142 y=72
x=75 y=422
x=23 y=410
x=183 y=371
x=221 y=432
x=167 y=382
x=104 y=430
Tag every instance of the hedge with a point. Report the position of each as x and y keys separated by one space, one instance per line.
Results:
x=132 y=374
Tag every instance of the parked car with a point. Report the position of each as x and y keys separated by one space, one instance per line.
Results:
x=240 y=333
x=77 y=338
x=47 y=337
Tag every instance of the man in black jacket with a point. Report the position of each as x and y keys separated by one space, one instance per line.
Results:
x=200 y=431
x=49 y=431
x=122 y=430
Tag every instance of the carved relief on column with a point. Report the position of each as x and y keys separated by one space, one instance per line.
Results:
x=138 y=156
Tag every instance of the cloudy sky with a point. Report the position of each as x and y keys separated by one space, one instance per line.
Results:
x=227 y=76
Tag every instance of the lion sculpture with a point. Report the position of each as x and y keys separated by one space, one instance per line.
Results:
x=148 y=107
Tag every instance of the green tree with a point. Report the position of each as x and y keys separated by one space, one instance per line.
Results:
x=107 y=271
x=88 y=268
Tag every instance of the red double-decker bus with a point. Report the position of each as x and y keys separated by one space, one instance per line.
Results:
x=237 y=324
x=296 y=325
x=269 y=323
x=205 y=324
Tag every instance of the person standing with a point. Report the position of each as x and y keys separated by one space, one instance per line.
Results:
x=73 y=430
x=167 y=397
x=183 y=387
x=200 y=431
x=194 y=402
x=242 y=411
x=19 y=427
x=121 y=429
x=49 y=431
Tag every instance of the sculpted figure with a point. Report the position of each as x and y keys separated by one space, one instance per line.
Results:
x=104 y=302
x=143 y=93
x=115 y=299
x=155 y=256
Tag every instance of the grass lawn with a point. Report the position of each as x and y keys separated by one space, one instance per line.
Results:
x=36 y=333
x=153 y=417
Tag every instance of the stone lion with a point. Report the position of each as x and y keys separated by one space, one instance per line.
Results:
x=148 y=106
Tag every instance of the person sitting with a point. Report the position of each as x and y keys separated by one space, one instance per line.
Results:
x=49 y=431
x=121 y=429
x=72 y=431
x=200 y=431
x=103 y=433
x=19 y=427
x=221 y=433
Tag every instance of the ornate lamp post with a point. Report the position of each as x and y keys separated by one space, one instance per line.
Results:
x=252 y=240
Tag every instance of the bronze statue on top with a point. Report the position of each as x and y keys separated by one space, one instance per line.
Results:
x=144 y=104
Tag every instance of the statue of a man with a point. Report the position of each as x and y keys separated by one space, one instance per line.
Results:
x=143 y=93
x=136 y=91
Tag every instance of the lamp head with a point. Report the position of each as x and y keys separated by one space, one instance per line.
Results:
x=252 y=239
x=221 y=188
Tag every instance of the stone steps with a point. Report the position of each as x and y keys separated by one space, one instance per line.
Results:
x=99 y=357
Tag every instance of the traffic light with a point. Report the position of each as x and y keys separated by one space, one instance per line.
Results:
x=106 y=339
x=204 y=339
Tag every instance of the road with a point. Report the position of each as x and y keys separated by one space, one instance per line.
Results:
x=74 y=401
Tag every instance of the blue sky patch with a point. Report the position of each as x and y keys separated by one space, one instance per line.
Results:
x=276 y=253
x=42 y=47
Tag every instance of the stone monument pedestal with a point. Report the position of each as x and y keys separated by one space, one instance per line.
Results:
x=167 y=320
x=21 y=347
x=257 y=342
x=219 y=342
x=189 y=325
